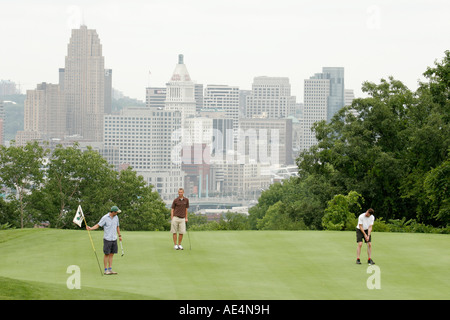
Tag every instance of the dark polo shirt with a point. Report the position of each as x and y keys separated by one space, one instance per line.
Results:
x=179 y=207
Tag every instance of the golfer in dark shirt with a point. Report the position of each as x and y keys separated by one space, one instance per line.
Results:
x=179 y=217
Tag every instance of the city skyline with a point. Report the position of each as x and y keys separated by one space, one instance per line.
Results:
x=228 y=43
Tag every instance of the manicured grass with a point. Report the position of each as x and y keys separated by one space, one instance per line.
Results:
x=226 y=265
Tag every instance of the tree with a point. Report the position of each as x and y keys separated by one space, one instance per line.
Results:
x=429 y=140
x=62 y=188
x=74 y=177
x=143 y=208
x=21 y=170
x=437 y=187
x=340 y=214
x=279 y=217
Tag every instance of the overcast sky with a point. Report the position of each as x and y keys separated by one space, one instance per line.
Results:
x=228 y=41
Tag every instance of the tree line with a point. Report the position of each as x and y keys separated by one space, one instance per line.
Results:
x=49 y=185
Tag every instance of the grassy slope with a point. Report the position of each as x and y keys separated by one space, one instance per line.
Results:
x=224 y=265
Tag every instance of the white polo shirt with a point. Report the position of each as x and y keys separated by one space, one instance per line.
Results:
x=365 y=221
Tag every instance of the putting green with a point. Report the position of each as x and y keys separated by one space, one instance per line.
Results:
x=226 y=265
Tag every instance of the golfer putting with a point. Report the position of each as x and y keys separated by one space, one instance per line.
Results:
x=179 y=217
x=110 y=224
x=364 y=230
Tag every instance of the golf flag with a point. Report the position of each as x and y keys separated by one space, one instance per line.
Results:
x=79 y=216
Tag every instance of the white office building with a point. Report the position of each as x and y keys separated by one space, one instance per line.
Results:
x=316 y=93
x=324 y=95
x=270 y=98
x=155 y=97
x=145 y=140
x=223 y=98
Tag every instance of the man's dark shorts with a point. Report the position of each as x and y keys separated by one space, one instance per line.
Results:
x=360 y=236
x=109 y=246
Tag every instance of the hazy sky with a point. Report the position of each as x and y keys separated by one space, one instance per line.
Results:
x=229 y=41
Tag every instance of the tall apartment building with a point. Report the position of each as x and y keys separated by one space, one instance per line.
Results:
x=324 y=95
x=8 y=88
x=336 y=97
x=270 y=98
x=144 y=138
x=223 y=98
x=44 y=114
x=316 y=93
x=180 y=91
x=84 y=84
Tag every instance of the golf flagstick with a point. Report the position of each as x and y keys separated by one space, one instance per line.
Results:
x=93 y=248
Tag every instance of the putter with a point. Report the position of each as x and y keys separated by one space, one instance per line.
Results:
x=121 y=247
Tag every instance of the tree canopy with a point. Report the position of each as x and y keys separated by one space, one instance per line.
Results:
x=51 y=191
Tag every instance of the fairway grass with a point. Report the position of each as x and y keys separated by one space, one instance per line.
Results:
x=225 y=265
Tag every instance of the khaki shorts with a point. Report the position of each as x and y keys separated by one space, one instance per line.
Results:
x=178 y=225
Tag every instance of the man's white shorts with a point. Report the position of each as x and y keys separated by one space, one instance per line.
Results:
x=178 y=225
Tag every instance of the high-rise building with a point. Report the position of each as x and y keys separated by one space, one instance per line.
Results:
x=155 y=97
x=84 y=84
x=336 y=100
x=144 y=138
x=108 y=91
x=8 y=88
x=44 y=114
x=223 y=98
x=324 y=95
x=270 y=98
x=198 y=97
x=349 y=96
x=180 y=91
x=316 y=93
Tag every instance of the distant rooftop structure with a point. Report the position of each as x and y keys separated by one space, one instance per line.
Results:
x=180 y=73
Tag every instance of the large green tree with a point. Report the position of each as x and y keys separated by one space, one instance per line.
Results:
x=75 y=177
x=142 y=207
x=21 y=169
